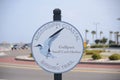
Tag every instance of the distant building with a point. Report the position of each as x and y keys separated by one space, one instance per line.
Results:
x=5 y=46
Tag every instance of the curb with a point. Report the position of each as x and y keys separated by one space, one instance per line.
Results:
x=100 y=63
x=27 y=58
x=24 y=58
x=2 y=54
x=76 y=69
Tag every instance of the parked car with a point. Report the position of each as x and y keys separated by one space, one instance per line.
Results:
x=25 y=46
x=15 y=47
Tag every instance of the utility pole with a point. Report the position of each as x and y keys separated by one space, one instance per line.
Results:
x=118 y=33
x=96 y=25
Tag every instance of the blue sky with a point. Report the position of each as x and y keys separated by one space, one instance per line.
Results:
x=19 y=19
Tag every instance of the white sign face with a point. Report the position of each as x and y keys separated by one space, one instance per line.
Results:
x=57 y=46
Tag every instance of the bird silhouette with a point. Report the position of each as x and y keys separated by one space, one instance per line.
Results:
x=45 y=48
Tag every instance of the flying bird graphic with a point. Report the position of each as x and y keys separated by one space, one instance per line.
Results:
x=45 y=48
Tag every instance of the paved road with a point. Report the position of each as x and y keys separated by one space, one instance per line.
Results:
x=31 y=72
x=14 y=72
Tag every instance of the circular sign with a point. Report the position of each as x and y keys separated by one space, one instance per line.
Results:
x=57 y=46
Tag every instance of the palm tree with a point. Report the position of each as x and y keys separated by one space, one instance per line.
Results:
x=86 y=31
x=101 y=34
x=110 y=38
x=116 y=36
x=104 y=40
x=111 y=35
x=93 y=33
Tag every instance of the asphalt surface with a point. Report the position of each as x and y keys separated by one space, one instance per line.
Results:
x=11 y=69
x=8 y=72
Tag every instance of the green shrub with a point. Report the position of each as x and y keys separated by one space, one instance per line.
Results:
x=90 y=52
x=99 y=46
x=114 y=46
x=96 y=56
x=114 y=57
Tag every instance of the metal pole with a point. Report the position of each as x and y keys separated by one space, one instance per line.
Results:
x=57 y=17
x=96 y=25
x=57 y=76
x=57 y=14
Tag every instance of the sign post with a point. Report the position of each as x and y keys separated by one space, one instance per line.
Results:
x=57 y=17
x=57 y=46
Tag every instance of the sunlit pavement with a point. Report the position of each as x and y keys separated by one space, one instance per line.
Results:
x=9 y=58
x=12 y=69
x=12 y=60
x=13 y=72
x=24 y=70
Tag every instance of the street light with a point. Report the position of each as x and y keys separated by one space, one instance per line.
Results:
x=118 y=35
x=96 y=25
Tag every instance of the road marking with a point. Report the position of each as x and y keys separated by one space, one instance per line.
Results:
x=19 y=66
x=34 y=67
x=96 y=71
